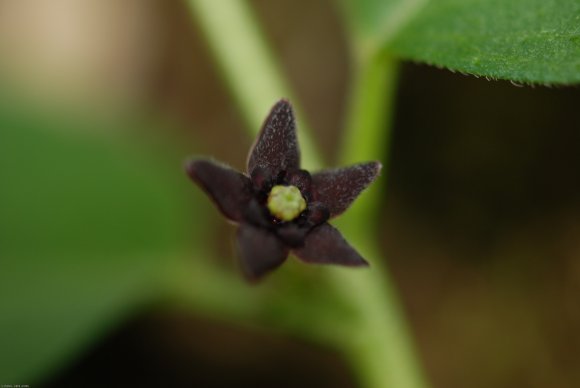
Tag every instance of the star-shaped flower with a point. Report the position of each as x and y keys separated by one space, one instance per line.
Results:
x=279 y=207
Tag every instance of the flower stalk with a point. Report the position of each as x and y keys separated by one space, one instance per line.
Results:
x=386 y=357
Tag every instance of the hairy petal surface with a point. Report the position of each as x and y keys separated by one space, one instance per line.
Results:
x=228 y=188
x=338 y=188
x=276 y=147
x=325 y=245
x=260 y=251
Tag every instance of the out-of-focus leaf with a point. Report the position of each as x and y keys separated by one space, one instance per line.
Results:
x=536 y=41
x=86 y=223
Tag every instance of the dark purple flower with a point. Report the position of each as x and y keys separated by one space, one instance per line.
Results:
x=279 y=207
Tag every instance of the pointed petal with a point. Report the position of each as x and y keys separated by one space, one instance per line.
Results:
x=229 y=189
x=260 y=251
x=276 y=148
x=338 y=188
x=325 y=245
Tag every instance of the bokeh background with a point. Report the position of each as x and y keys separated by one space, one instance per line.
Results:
x=101 y=101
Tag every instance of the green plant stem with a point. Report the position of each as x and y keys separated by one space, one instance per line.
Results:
x=381 y=348
x=378 y=344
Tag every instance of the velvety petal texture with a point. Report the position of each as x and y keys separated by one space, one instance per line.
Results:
x=325 y=245
x=338 y=188
x=229 y=189
x=260 y=251
x=281 y=208
x=276 y=148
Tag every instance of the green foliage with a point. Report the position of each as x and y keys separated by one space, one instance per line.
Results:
x=531 y=41
x=86 y=224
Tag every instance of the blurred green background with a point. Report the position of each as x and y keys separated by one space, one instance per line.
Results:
x=112 y=264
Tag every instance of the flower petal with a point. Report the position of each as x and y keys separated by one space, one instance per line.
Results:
x=260 y=251
x=228 y=188
x=325 y=245
x=338 y=188
x=276 y=148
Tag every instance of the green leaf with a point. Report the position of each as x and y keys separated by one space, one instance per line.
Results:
x=530 y=41
x=86 y=224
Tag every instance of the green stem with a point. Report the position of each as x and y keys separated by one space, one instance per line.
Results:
x=378 y=344
x=383 y=350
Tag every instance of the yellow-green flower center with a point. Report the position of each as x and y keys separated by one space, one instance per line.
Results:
x=286 y=202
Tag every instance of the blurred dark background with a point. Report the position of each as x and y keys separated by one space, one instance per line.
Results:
x=480 y=223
